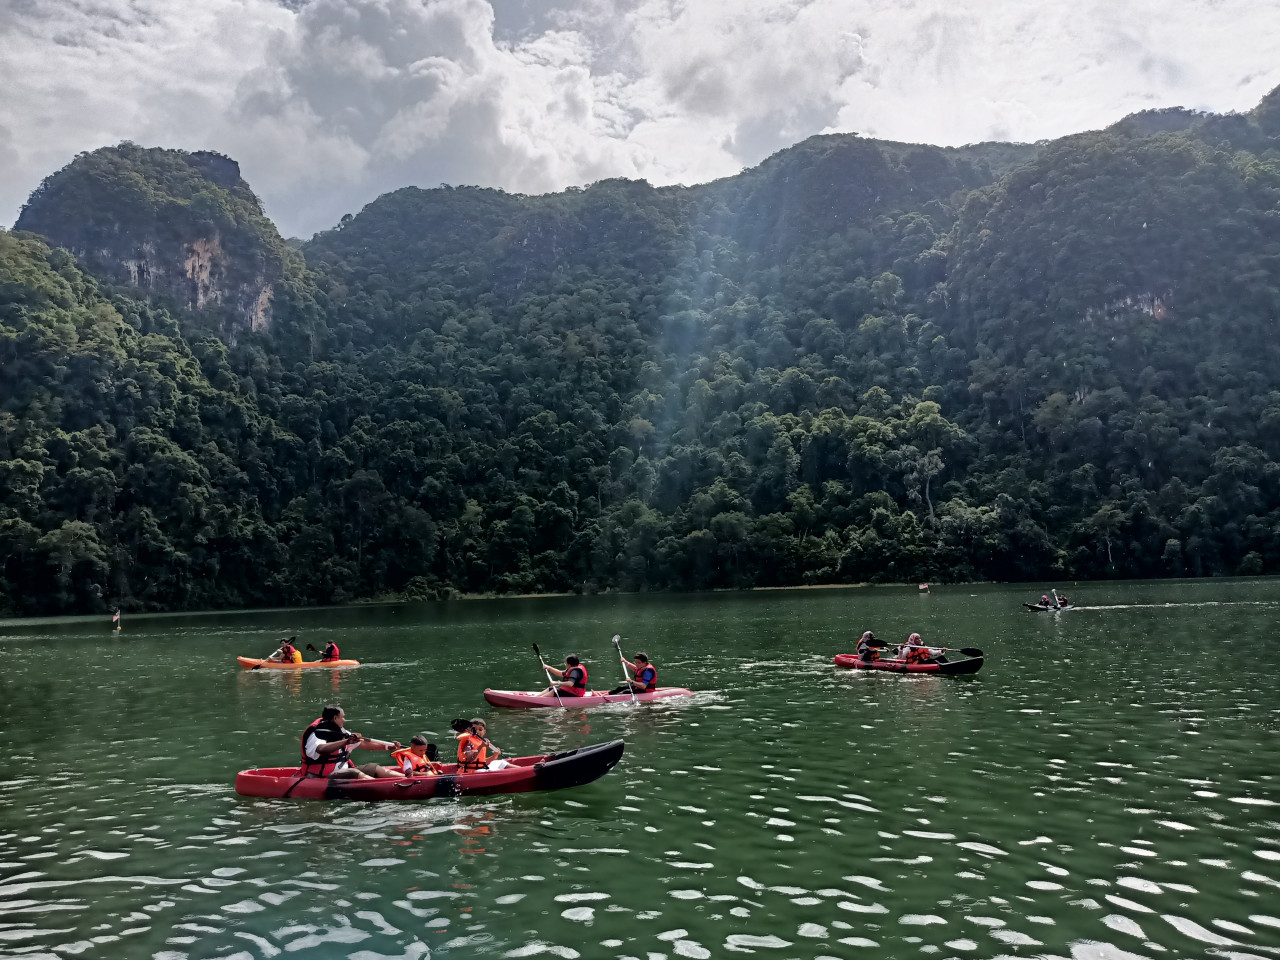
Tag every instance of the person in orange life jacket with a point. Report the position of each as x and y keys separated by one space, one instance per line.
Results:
x=475 y=750
x=646 y=677
x=419 y=758
x=576 y=676
x=287 y=653
x=914 y=650
x=327 y=746
x=330 y=652
x=869 y=647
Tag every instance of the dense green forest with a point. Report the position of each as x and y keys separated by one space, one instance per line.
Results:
x=859 y=361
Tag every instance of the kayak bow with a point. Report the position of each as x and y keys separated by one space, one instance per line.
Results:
x=552 y=771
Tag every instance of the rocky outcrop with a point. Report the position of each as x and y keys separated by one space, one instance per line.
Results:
x=182 y=226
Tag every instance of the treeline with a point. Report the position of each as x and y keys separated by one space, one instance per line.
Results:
x=856 y=362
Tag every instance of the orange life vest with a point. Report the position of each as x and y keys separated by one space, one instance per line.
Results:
x=417 y=764
x=468 y=741
x=916 y=654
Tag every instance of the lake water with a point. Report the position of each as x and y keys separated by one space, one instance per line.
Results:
x=1106 y=788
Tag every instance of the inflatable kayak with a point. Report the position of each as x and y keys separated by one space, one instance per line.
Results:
x=1039 y=607
x=951 y=668
x=516 y=698
x=552 y=771
x=249 y=663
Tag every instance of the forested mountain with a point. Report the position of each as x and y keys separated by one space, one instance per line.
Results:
x=858 y=361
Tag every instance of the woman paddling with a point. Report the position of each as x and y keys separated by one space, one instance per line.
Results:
x=869 y=647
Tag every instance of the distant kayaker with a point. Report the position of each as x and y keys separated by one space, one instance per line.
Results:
x=327 y=746
x=869 y=647
x=475 y=750
x=287 y=653
x=1062 y=600
x=575 y=675
x=330 y=652
x=419 y=758
x=646 y=677
x=1044 y=600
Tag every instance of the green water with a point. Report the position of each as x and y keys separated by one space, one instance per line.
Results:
x=1105 y=788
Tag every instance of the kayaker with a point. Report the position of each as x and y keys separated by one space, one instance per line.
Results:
x=1062 y=600
x=646 y=677
x=1044 y=600
x=869 y=647
x=475 y=750
x=327 y=746
x=914 y=650
x=419 y=758
x=330 y=652
x=576 y=676
x=287 y=653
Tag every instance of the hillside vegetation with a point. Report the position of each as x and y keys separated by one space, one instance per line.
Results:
x=859 y=361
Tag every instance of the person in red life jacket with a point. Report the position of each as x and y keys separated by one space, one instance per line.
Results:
x=327 y=746
x=869 y=647
x=646 y=677
x=330 y=652
x=418 y=759
x=475 y=750
x=575 y=675
x=1044 y=600
x=1063 y=601
x=287 y=653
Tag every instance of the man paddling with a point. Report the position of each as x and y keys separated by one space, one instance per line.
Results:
x=327 y=746
x=575 y=675
x=645 y=679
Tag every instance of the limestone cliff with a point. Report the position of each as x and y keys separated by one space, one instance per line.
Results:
x=179 y=225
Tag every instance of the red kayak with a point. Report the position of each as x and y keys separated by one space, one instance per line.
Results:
x=951 y=668
x=552 y=771
x=516 y=698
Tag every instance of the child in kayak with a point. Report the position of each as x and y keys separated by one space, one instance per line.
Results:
x=475 y=750
x=418 y=759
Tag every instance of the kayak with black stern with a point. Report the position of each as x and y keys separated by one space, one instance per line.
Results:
x=518 y=698
x=948 y=668
x=552 y=771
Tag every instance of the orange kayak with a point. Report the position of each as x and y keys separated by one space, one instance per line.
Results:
x=249 y=663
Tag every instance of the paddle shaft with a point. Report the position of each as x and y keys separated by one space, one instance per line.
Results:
x=551 y=683
x=625 y=679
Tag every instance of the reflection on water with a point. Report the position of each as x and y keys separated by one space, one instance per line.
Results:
x=1104 y=789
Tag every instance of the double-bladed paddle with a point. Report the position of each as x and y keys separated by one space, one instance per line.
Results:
x=625 y=679
x=259 y=663
x=550 y=682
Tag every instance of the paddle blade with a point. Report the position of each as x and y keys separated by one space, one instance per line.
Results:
x=537 y=651
x=971 y=651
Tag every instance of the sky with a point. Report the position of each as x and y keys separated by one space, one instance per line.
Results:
x=326 y=104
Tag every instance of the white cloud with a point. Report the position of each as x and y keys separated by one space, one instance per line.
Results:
x=328 y=103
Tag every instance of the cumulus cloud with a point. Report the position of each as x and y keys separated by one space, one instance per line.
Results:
x=327 y=103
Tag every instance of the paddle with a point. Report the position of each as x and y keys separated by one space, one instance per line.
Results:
x=260 y=663
x=550 y=682
x=625 y=678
